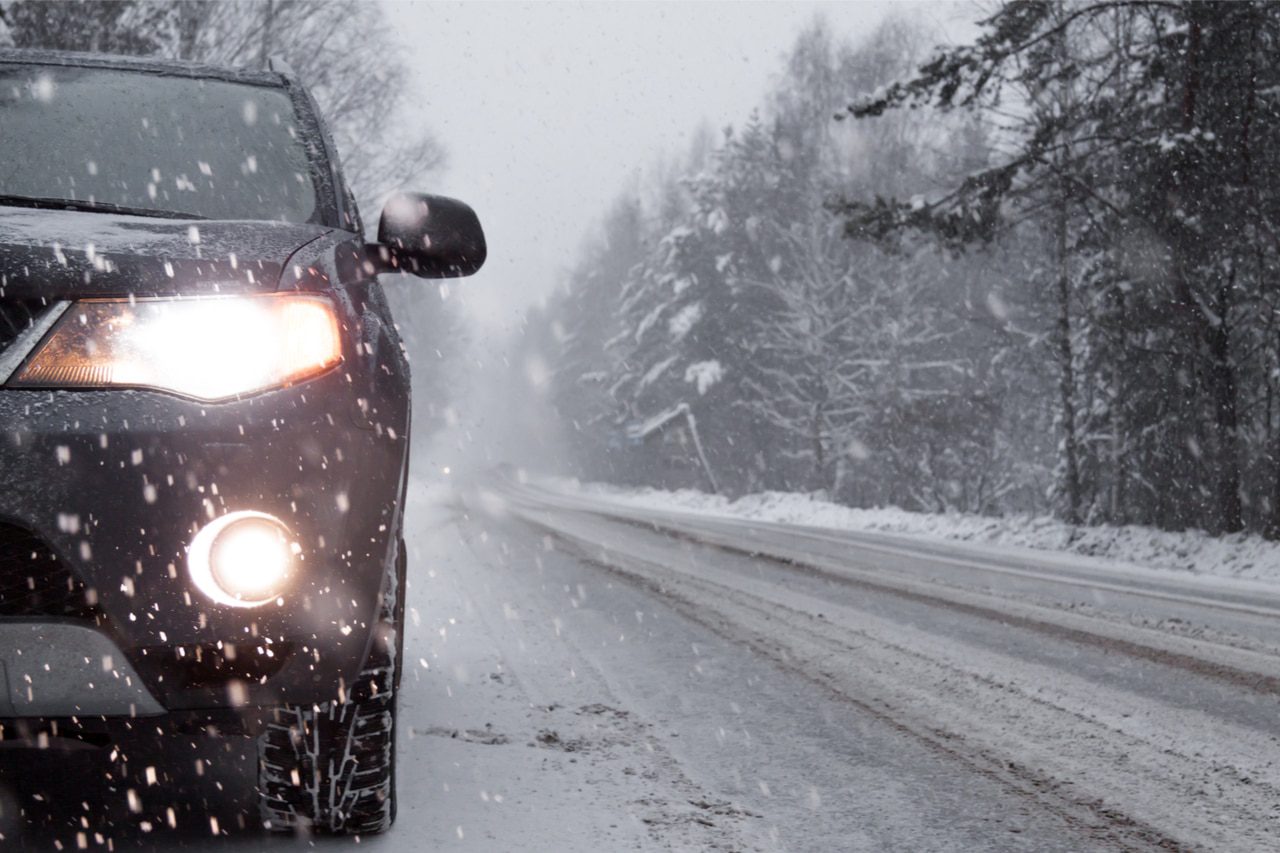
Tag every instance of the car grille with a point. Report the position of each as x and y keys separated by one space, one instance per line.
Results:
x=18 y=315
x=34 y=582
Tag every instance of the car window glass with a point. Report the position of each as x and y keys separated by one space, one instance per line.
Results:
x=210 y=148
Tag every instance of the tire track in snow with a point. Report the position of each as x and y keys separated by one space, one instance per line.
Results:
x=1116 y=785
x=1256 y=671
x=1253 y=669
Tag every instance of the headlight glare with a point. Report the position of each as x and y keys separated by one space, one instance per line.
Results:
x=211 y=349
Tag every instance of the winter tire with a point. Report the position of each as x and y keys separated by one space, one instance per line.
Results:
x=330 y=768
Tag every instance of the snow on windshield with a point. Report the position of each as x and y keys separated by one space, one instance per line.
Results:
x=208 y=148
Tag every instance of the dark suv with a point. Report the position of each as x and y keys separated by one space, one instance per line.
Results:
x=204 y=423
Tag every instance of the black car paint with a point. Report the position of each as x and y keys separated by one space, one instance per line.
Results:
x=78 y=464
x=46 y=254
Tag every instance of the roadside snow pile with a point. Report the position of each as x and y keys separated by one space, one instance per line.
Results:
x=1239 y=555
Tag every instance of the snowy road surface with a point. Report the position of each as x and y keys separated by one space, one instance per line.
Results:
x=587 y=677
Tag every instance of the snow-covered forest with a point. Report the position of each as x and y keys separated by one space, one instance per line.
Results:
x=1033 y=273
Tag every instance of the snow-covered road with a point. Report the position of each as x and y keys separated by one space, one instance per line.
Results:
x=592 y=677
x=1121 y=708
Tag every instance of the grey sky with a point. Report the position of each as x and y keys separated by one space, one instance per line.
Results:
x=548 y=109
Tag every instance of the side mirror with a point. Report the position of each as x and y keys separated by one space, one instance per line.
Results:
x=430 y=236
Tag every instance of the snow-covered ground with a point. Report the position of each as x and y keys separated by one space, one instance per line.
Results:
x=1238 y=556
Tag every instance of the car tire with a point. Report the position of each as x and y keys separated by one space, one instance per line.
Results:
x=330 y=768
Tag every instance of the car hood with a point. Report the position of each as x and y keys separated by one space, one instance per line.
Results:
x=71 y=254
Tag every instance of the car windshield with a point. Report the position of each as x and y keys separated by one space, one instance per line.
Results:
x=205 y=148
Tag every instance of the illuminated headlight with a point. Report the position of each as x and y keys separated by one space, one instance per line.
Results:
x=211 y=349
x=243 y=559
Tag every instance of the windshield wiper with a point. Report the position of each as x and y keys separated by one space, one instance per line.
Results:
x=89 y=206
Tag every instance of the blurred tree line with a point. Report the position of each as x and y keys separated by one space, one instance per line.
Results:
x=1035 y=273
x=347 y=54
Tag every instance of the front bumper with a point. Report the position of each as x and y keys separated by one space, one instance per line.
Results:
x=77 y=671
x=117 y=482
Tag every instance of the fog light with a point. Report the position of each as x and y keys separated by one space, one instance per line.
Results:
x=243 y=559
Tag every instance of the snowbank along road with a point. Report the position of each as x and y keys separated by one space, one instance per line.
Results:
x=591 y=676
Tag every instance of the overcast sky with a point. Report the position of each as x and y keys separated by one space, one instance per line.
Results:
x=548 y=109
